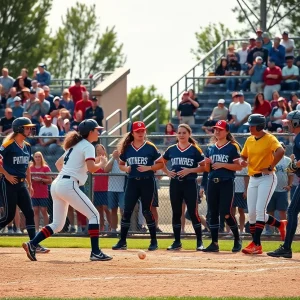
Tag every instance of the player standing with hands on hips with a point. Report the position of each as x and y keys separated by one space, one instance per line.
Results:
x=79 y=157
x=185 y=157
x=292 y=124
x=261 y=152
x=140 y=159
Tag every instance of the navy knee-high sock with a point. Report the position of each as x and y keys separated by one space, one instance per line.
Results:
x=231 y=222
x=93 y=231
x=42 y=235
x=259 y=227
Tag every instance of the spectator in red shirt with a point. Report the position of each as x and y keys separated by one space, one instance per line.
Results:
x=272 y=79
x=169 y=130
x=40 y=200
x=84 y=103
x=101 y=188
x=76 y=90
x=261 y=106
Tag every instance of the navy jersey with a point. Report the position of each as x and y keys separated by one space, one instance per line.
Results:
x=15 y=159
x=296 y=150
x=184 y=158
x=146 y=155
x=225 y=154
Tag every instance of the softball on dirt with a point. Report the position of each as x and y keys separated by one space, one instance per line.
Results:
x=142 y=254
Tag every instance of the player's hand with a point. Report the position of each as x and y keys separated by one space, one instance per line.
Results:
x=287 y=188
x=292 y=157
x=143 y=168
x=245 y=195
x=128 y=169
x=115 y=154
x=201 y=192
x=207 y=161
x=171 y=174
x=266 y=171
x=12 y=179
x=217 y=166
x=184 y=172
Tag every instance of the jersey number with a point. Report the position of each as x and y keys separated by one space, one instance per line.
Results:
x=67 y=156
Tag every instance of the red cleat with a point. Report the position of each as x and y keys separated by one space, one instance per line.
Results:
x=282 y=229
x=253 y=249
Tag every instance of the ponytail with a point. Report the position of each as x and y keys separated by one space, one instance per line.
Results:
x=125 y=142
x=72 y=138
x=11 y=136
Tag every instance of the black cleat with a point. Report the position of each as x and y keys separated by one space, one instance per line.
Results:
x=237 y=246
x=200 y=246
x=30 y=250
x=100 y=257
x=153 y=246
x=281 y=252
x=175 y=246
x=120 y=245
x=212 y=248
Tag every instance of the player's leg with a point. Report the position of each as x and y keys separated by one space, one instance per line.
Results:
x=113 y=206
x=100 y=207
x=44 y=210
x=36 y=211
x=242 y=219
x=183 y=209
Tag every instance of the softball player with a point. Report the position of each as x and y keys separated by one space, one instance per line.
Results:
x=261 y=152
x=185 y=157
x=222 y=161
x=285 y=250
x=140 y=159
x=16 y=155
x=73 y=165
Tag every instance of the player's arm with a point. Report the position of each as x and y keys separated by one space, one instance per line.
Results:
x=123 y=167
x=59 y=163
x=28 y=179
x=236 y=166
x=278 y=154
x=92 y=166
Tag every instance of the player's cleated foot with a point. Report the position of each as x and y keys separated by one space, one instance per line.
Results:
x=282 y=229
x=120 y=245
x=248 y=247
x=237 y=246
x=40 y=249
x=153 y=246
x=175 y=246
x=30 y=250
x=212 y=248
x=100 y=257
x=200 y=246
x=253 y=249
x=281 y=252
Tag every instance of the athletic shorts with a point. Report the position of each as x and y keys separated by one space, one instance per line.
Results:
x=239 y=201
x=279 y=201
x=100 y=198
x=115 y=200
x=42 y=202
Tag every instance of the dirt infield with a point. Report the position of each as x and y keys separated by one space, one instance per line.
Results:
x=69 y=273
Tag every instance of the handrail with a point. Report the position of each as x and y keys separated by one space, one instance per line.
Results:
x=118 y=111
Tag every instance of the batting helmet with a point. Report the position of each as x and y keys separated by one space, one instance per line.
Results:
x=294 y=117
x=19 y=124
x=88 y=125
x=257 y=120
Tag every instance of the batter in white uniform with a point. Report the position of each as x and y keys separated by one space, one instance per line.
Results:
x=78 y=159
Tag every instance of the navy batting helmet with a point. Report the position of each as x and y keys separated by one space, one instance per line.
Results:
x=88 y=125
x=19 y=124
x=294 y=117
x=257 y=120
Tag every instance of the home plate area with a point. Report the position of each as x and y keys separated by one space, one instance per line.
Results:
x=68 y=273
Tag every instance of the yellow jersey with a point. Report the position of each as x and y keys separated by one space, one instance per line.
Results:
x=260 y=153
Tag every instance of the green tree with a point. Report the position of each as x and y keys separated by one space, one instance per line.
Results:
x=23 y=33
x=141 y=95
x=79 y=50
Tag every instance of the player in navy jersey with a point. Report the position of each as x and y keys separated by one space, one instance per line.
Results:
x=140 y=159
x=222 y=161
x=15 y=154
x=185 y=157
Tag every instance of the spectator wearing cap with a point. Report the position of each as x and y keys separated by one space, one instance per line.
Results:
x=234 y=69
x=186 y=108
x=256 y=72
x=243 y=53
x=76 y=90
x=43 y=77
x=95 y=112
x=290 y=75
x=231 y=52
x=44 y=104
x=278 y=114
x=261 y=106
x=6 y=122
x=18 y=108
x=294 y=101
x=7 y=82
x=32 y=106
x=83 y=104
x=25 y=78
x=252 y=43
x=259 y=33
x=288 y=43
x=258 y=51
x=50 y=131
x=272 y=79
x=55 y=108
x=67 y=102
x=48 y=96
x=267 y=44
x=12 y=94
x=277 y=53
x=219 y=112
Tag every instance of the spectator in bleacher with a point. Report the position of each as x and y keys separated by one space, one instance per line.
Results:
x=2 y=99
x=220 y=112
x=234 y=69
x=49 y=130
x=67 y=126
x=48 y=96
x=252 y=43
x=220 y=71
x=36 y=86
x=234 y=100
x=186 y=108
x=21 y=85
x=83 y=104
x=288 y=43
x=6 y=122
x=76 y=90
x=277 y=53
x=25 y=95
x=243 y=53
x=33 y=107
x=77 y=120
x=297 y=60
x=55 y=108
x=7 y=82
x=290 y=75
x=65 y=114
x=272 y=79
x=259 y=33
x=43 y=77
x=261 y=106
x=231 y=52
x=12 y=94
x=278 y=114
x=258 y=51
x=18 y=109
x=267 y=44
x=95 y=112
x=26 y=81
x=44 y=104
x=294 y=101
x=60 y=127
x=275 y=97
x=67 y=102
x=240 y=113
x=169 y=130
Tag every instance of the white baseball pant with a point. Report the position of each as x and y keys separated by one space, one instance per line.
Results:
x=66 y=192
x=259 y=193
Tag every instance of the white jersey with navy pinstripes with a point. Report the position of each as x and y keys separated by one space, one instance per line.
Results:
x=75 y=161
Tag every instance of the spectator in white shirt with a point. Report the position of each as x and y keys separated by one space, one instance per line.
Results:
x=289 y=44
x=243 y=53
x=290 y=75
